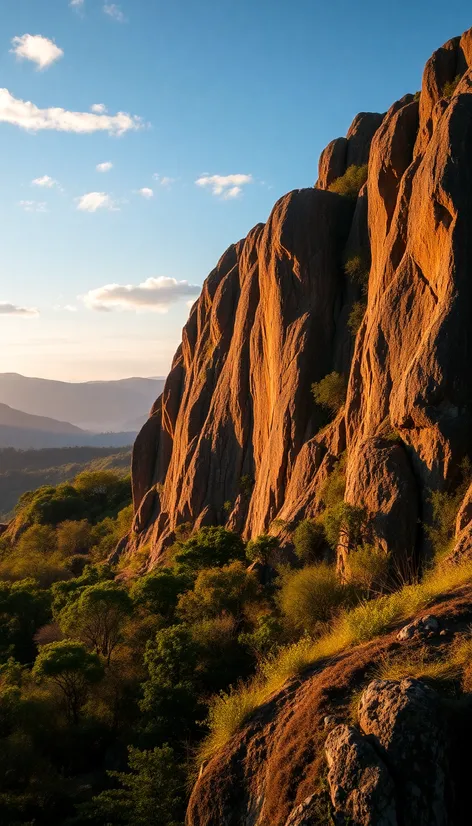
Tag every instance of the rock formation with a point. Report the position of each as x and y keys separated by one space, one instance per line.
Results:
x=404 y=762
x=235 y=437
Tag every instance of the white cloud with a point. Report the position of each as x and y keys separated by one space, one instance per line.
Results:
x=99 y=108
x=34 y=206
x=115 y=12
x=28 y=116
x=226 y=186
x=46 y=181
x=164 y=180
x=13 y=309
x=104 y=167
x=77 y=4
x=92 y=201
x=154 y=294
x=38 y=49
x=146 y=192
x=69 y=308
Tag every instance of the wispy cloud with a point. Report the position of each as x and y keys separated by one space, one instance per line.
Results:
x=114 y=11
x=76 y=4
x=28 y=116
x=104 y=167
x=34 y=206
x=163 y=180
x=12 y=309
x=69 y=308
x=99 y=108
x=93 y=201
x=146 y=192
x=37 y=49
x=154 y=294
x=45 y=181
x=226 y=186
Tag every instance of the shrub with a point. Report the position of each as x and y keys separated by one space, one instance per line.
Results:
x=209 y=547
x=332 y=492
x=330 y=392
x=357 y=270
x=311 y=596
x=309 y=541
x=219 y=590
x=356 y=316
x=450 y=87
x=368 y=568
x=445 y=506
x=159 y=591
x=344 y=524
x=351 y=182
x=262 y=549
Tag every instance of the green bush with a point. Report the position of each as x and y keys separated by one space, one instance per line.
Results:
x=309 y=541
x=151 y=792
x=351 y=182
x=262 y=549
x=357 y=269
x=220 y=590
x=330 y=392
x=356 y=316
x=311 y=596
x=445 y=507
x=344 y=523
x=209 y=547
x=450 y=87
x=368 y=568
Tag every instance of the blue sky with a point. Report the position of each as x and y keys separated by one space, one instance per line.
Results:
x=241 y=95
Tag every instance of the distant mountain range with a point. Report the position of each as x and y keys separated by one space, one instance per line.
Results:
x=98 y=406
x=24 y=431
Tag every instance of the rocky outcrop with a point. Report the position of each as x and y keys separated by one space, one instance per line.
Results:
x=406 y=762
x=392 y=770
x=235 y=438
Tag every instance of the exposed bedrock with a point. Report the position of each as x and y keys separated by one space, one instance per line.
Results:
x=235 y=437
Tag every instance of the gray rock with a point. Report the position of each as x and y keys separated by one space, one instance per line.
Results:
x=424 y=626
x=404 y=719
x=362 y=790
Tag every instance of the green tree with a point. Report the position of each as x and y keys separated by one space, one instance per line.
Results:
x=220 y=590
x=309 y=541
x=73 y=537
x=24 y=608
x=97 y=617
x=152 y=792
x=73 y=669
x=170 y=695
x=209 y=547
x=330 y=392
x=159 y=591
x=262 y=549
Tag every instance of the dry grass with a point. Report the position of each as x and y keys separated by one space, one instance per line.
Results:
x=361 y=624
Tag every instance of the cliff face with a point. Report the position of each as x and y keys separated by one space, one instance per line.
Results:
x=235 y=437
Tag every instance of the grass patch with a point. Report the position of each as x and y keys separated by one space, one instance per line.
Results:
x=361 y=624
x=423 y=665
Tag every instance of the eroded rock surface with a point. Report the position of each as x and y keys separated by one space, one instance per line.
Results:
x=235 y=438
